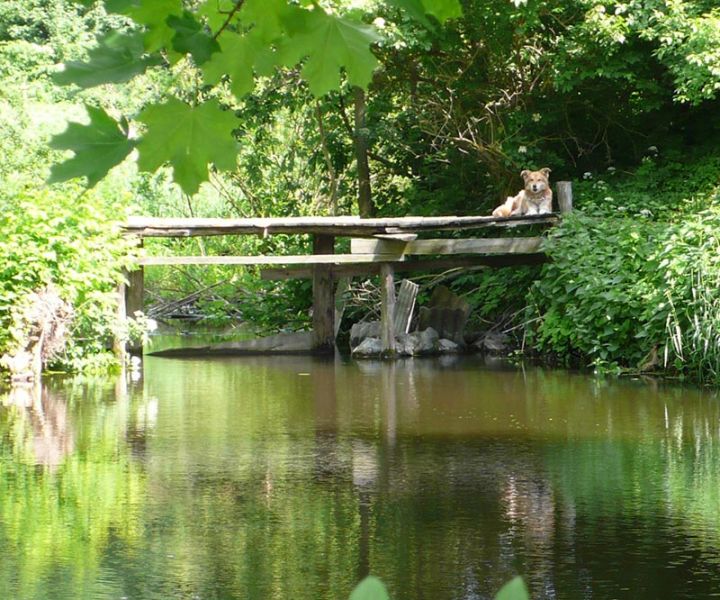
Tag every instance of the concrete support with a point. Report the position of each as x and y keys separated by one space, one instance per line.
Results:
x=323 y=297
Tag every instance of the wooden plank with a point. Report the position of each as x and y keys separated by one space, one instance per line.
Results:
x=405 y=306
x=387 y=318
x=339 y=226
x=323 y=297
x=519 y=245
x=301 y=259
x=565 y=196
x=439 y=264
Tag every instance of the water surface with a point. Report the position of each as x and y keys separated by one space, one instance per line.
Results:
x=291 y=477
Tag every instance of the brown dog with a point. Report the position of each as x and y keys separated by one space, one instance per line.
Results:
x=534 y=199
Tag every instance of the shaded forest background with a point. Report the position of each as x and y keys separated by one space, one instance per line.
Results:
x=619 y=97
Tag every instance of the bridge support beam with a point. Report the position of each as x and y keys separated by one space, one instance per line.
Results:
x=387 y=320
x=323 y=297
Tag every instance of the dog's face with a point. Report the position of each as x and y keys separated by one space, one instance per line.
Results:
x=536 y=182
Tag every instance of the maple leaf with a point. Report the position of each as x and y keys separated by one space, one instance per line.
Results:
x=189 y=138
x=98 y=147
x=330 y=43
x=154 y=14
x=191 y=37
x=442 y=10
x=236 y=60
x=117 y=58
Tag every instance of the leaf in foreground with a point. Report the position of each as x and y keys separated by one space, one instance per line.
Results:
x=189 y=138
x=98 y=147
x=370 y=588
x=330 y=43
x=116 y=58
x=514 y=589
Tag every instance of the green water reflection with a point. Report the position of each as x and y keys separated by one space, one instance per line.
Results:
x=293 y=477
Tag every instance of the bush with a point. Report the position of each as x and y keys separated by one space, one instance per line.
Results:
x=68 y=240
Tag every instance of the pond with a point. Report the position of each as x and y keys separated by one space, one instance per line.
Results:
x=293 y=477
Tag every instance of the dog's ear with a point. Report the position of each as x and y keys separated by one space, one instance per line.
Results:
x=524 y=174
x=546 y=172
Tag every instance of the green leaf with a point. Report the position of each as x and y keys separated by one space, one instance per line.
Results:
x=514 y=589
x=189 y=138
x=370 y=588
x=117 y=58
x=191 y=37
x=330 y=43
x=236 y=60
x=153 y=14
x=442 y=10
x=216 y=12
x=98 y=147
x=268 y=18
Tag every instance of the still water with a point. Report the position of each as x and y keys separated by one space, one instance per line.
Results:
x=291 y=478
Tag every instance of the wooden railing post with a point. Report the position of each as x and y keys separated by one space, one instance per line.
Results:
x=134 y=293
x=323 y=297
x=387 y=320
x=565 y=196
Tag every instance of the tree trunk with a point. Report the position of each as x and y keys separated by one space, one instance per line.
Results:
x=365 y=203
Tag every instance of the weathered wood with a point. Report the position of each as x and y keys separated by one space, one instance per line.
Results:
x=134 y=292
x=565 y=196
x=462 y=246
x=339 y=226
x=323 y=297
x=299 y=259
x=387 y=319
x=361 y=269
x=343 y=285
x=119 y=346
x=405 y=305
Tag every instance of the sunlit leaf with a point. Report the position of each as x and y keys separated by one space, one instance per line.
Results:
x=98 y=147
x=370 y=588
x=154 y=14
x=189 y=138
x=117 y=58
x=514 y=589
x=442 y=10
x=191 y=37
x=236 y=60
x=330 y=43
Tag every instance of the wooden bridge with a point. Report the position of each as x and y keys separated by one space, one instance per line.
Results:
x=383 y=245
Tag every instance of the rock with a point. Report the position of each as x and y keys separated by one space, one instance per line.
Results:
x=493 y=342
x=370 y=347
x=448 y=347
x=361 y=331
x=419 y=343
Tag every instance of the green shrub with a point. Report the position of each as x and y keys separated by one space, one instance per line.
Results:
x=71 y=241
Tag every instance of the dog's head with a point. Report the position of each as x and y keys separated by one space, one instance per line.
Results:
x=536 y=182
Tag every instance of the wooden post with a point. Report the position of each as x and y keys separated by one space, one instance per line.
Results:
x=565 y=196
x=323 y=297
x=134 y=292
x=387 y=321
x=119 y=348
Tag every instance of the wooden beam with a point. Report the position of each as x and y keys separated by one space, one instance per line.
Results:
x=459 y=246
x=405 y=305
x=134 y=293
x=439 y=264
x=387 y=318
x=301 y=259
x=338 y=226
x=565 y=196
x=323 y=297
